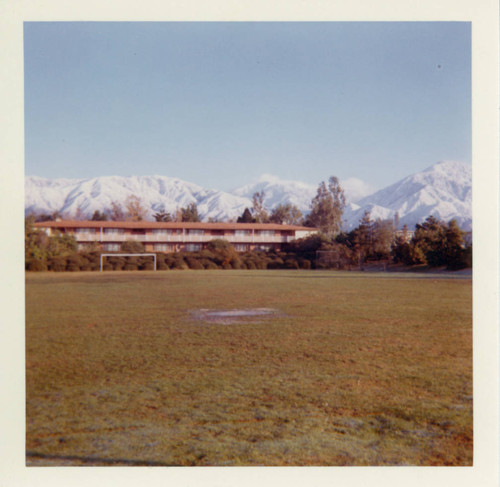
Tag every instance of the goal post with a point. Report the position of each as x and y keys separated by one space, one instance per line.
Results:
x=128 y=255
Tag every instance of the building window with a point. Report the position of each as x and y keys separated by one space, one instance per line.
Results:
x=192 y=247
x=163 y=231
x=163 y=247
x=114 y=231
x=194 y=231
x=111 y=247
x=266 y=233
x=242 y=233
x=241 y=247
x=85 y=230
x=263 y=248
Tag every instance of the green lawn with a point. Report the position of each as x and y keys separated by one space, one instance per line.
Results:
x=354 y=369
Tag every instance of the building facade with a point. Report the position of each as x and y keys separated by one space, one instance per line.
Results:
x=175 y=236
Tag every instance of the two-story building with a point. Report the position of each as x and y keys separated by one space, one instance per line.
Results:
x=176 y=236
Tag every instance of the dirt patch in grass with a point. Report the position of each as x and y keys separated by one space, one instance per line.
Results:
x=233 y=316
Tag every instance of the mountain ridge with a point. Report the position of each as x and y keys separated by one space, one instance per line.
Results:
x=443 y=189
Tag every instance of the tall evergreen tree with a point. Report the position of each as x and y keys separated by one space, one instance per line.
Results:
x=190 y=213
x=162 y=216
x=327 y=208
x=246 y=217
x=98 y=216
x=363 y=237
x=382 y=238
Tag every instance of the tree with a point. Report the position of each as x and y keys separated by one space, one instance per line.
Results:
x=224 y=254
x=428 y=242
x=40 y=249
x=400 y=250
x=116 y=212
x=327 y=208
x=132 y=247
x=162 y=216
x=61 y=245
x=99 y=217
x=439 y=244
x=383 y=236
x=34 y=244
x=259 y=211
x=396 y=220
x=44 y=217
x=80 y=214
x=286 y=214
x=363 y=237
x=455 y=248
x=135 y=209
x=246 y=217
x=190 y=213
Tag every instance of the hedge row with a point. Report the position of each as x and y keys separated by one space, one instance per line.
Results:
x=204 y=259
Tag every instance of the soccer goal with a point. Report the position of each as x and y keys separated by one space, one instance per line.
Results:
x=128 y=255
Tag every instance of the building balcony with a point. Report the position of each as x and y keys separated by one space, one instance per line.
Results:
x=174 y=238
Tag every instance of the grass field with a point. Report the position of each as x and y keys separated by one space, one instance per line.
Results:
x=351 y=369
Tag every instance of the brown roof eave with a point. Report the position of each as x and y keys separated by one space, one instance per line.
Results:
x=153 y=225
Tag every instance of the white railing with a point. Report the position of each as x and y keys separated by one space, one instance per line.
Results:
x=122 y=237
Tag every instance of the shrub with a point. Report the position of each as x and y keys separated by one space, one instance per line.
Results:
x=291 y=263
x=161 y=264
x=132 y=246
x=35 y=265
x=236 y=263
x=147 y=266
x=223 y=252
x=206 y=254
x=194 y=263
x=92 y=261
x=57 y=264
x=74 y=263
x=261 y=264
x=208 y=264
x=117 y=263
x=176 y=261
x=86 y=266
x=275 y=263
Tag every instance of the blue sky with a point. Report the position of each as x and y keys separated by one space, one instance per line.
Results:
x=219 y=104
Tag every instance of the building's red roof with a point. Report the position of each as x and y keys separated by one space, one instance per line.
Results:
x=151 y=225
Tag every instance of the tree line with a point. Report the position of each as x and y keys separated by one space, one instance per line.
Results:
x=326 y=211
x=433 y=243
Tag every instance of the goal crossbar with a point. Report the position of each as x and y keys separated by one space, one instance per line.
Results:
x=128 y=255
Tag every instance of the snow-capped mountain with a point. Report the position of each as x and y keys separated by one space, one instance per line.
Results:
x=84 y=196
x=278 y=191
x=443 y=190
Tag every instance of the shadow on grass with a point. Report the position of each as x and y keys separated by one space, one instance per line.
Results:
x=327 y=274
x=96 y=460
